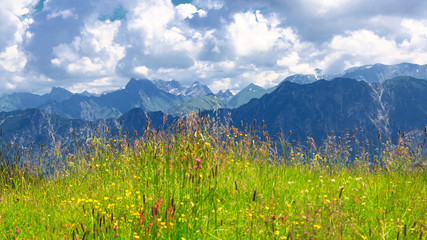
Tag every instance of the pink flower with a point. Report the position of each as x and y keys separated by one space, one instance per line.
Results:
x=198 y=160
x=247 y=230
x=18 y=230
x=316 y=210
x=195 y=167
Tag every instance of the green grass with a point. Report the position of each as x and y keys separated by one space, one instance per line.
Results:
x=154 y=188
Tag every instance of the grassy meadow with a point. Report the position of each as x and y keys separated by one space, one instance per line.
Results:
x=200 y=180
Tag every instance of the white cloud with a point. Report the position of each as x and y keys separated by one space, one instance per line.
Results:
x=62 y=14
x=97 y=85
x=252 y=33
x=263 y=78
x=94 y=53
x=12 y=59
x=417 y=31
x=366 y=47
x=292 y=62
x=149 y=19
x=225 y=44
x=141 y=70
x=221 y=84
x=188 y=10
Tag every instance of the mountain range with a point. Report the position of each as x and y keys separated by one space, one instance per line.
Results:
x=301 y=103
x=339 y=105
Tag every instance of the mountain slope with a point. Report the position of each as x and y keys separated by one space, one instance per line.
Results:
x=202 y=102
x=224 y=96
x=35 y=127
x=246 y=94
x=137 y=94
x=301 y=78
x=340 y=105
x=15 y=101
x=381 y=72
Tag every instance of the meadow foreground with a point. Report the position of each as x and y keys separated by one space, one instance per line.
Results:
x=204 y=181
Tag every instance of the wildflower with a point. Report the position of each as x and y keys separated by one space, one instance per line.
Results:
x=198 y=161
x=18 y=230
x=317 y=226
x=247 y=230
x=316 y=210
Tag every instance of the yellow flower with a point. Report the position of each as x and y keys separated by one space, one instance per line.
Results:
x=317 y=226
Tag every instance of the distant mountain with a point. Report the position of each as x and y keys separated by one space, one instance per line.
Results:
x=137 y=94
x=174 y=87
x=173 y=98
x=202 y=102
x=381 y=72
x=301 y=78
x=246 y=94
x=15 y=101
x=197 y=89
x=316 y=109
x=405 y=98
x=369 y=73
x=340 y=105
x=137 y=119
x=35 y=127
x=225 y=96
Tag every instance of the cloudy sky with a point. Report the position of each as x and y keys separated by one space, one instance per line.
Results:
x=97 y=45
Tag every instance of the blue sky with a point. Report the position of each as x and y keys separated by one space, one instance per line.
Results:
x=99 y=45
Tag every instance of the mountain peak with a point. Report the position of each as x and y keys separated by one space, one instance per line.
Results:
x=138 y=84
x=197 y=89
x=225 y=95
x=173 y=86
x=252 y=87
x=58 y=94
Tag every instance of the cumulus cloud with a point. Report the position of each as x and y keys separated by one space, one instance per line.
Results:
x=94 y=53
x=93 y=45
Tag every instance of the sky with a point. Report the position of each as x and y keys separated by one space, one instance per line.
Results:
x=98 y=45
